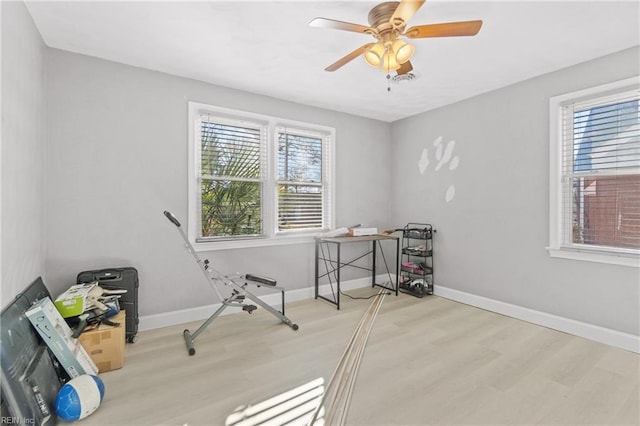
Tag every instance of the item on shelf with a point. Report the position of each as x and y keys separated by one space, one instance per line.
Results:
x=417 y=287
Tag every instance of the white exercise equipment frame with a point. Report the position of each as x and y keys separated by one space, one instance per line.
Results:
x=239 y=293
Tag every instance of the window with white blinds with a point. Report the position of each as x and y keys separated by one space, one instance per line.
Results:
x=598 y=177
x=231 y=178
x=256 y=177
x=300 y=183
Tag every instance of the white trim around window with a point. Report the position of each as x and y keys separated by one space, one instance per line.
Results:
x=560 y=245
x=270 y=126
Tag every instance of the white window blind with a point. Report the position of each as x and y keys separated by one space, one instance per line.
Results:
x=232 y=167
x=257 y=180
x=600 y=168
x=300 y=181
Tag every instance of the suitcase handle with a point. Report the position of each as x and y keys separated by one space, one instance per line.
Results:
x=107 y=275
x=172 y=218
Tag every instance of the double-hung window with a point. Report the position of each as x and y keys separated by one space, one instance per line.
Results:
x=257 y=180
x=299 y=180
x=595 y=174
x=231 y=177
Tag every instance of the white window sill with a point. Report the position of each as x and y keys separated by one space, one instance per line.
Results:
x=631 y=260
x=253 y=242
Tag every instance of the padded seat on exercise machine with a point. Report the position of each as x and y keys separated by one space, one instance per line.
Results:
x=261 y=279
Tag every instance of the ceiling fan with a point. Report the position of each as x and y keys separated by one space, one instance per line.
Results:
x=388 y=22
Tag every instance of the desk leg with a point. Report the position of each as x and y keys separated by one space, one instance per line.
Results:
x=373 y=267
x=338 y=284
x=397 y=264
x=317 y=269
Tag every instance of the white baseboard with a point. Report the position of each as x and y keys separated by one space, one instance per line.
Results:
x=577 y=328
x=200 y=313
x=607 y=336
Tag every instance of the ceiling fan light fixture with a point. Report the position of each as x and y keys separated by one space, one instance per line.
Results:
x=373 y=56
x=389 y=62
x=387 y=22
x=403 y=51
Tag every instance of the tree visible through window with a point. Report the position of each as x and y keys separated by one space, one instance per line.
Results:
x=256 y=177
x=299 y=182
x=231 y=183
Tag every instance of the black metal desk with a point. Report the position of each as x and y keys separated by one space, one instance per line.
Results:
x=333 y=265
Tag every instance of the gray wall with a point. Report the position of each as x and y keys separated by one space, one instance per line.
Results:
x=23 y=151
x=118 y=157
x=492 y=234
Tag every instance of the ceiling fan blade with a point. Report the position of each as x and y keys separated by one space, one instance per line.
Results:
x=450 y=29
x=348 y=58
x=340 y=25
x=405 y=68
x=405 y=11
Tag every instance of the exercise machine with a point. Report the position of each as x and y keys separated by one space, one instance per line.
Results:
x=239 y=293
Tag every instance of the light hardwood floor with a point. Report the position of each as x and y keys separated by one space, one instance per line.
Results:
x=428 y=361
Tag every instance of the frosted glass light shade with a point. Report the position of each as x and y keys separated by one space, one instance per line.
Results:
x=389 y=57
x=389 y=62
x=403 y=51
x=373 y=56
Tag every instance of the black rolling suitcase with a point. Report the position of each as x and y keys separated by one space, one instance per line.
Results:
x=119 y=278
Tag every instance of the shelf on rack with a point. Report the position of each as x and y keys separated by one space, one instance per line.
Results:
x=420 y=272
x=418 y=253
x=416 y=290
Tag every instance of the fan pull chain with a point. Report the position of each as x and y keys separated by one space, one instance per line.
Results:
x=388 y=74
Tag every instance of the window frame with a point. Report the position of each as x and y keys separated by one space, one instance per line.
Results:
x=325 y=170
x=558 y=248
x=270 y=126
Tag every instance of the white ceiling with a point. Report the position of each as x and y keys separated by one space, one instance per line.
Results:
x=267 y=47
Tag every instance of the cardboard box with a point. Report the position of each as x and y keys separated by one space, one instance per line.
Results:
x=105 y=344
x=73 y=302
x=359 y=232
x=57 y=335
